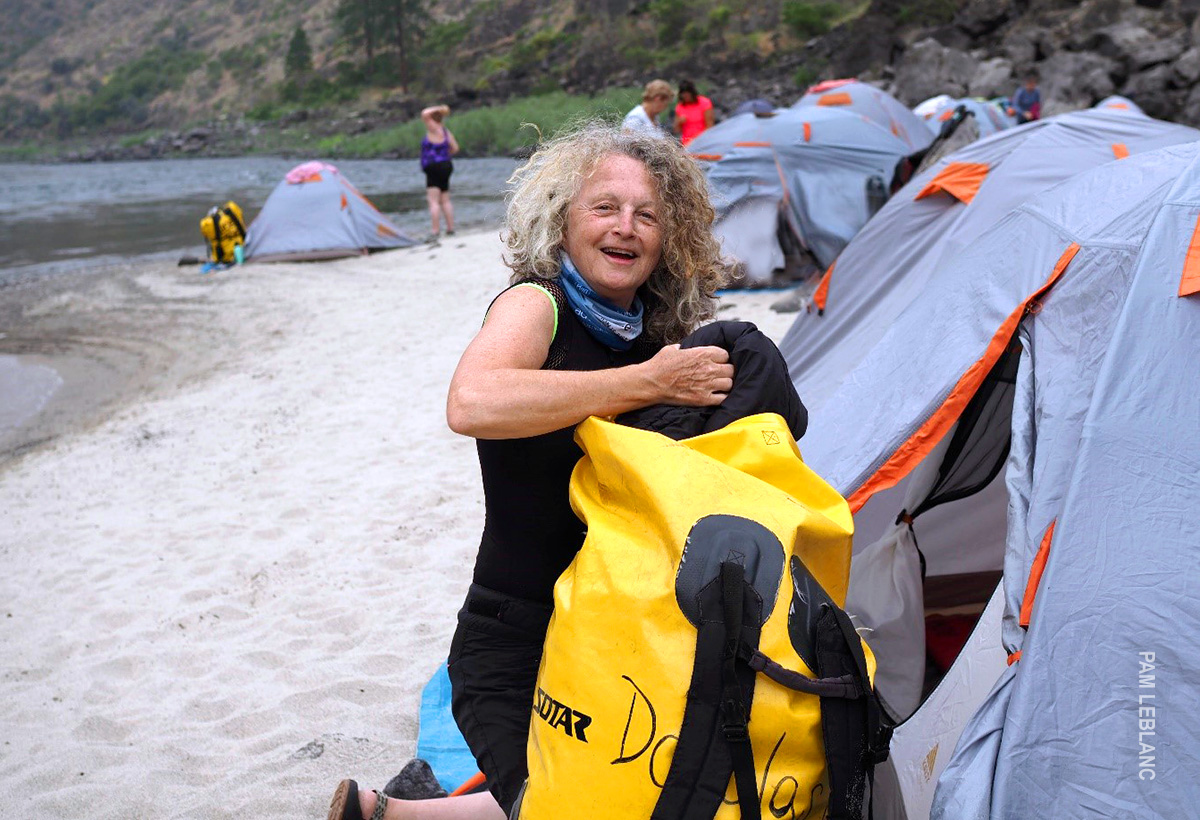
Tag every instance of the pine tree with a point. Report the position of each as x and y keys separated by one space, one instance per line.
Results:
x=408 y=19
x=383 y=24
x=358 y=21
x=298 y=64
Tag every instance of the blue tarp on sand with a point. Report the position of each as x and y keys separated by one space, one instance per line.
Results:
x=439 y=742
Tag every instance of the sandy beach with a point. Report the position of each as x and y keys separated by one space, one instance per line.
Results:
x=235 y=541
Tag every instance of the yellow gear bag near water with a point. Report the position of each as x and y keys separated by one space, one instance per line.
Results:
x=698 y=663
x=224 y=229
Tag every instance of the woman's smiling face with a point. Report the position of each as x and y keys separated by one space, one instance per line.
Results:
x=614 y=230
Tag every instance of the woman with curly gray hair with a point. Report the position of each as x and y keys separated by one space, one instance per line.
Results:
x=614 y=262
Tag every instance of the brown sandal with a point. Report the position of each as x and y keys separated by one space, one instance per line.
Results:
x=345 y=805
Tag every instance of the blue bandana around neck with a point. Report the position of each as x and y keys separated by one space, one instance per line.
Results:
x=609 y=324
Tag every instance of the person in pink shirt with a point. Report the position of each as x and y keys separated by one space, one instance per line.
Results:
x=693 y=113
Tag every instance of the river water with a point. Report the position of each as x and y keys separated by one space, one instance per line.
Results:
x=60 y=217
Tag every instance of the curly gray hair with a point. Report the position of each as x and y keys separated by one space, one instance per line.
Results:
x=680 y=293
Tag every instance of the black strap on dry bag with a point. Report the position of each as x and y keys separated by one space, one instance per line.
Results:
x=728 y=577
x=218 y=253
x=237 y=223
x=855 y=731
x=735 y=712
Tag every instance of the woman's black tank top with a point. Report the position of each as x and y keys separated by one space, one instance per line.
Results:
x=530 y=533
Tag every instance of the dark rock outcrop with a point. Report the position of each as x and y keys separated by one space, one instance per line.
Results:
x=415 y=781
x=931 y=68
x=1148 y=50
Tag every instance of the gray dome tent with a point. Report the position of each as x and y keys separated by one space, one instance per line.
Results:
x=938 y=216
x=316 y=213
x=823 y=171
x=876 y=105
x=1032 y=421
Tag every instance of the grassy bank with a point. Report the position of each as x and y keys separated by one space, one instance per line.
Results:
x=21 y=152
x=497 y=130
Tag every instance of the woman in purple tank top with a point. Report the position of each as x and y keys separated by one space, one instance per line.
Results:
x=437 y=146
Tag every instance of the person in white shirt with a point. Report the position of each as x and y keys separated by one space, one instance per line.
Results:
x=655 y=100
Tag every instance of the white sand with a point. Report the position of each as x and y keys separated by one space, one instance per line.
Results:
x=228 y=595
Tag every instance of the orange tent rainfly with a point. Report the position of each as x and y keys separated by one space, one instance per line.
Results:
x=959 y=179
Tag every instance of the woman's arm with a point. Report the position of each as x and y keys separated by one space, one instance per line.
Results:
x=499 y=390
x=427 y=113
x=453 y=141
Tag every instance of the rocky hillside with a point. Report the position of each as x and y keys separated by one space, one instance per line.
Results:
x=98 y=68
x=1147 y=50
x=183 y=59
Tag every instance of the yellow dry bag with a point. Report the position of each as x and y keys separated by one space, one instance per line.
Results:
x=698 y=664
x=224 y=230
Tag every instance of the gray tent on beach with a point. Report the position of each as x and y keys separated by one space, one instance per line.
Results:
x=1030 y=426
x=821 y=172
x=938 y=216
x=316 y=213
x=873 y=103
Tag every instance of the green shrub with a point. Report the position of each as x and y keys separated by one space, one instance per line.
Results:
x=695 y=35
x=530 y=51
x=670 y=19
x=264 y=112
x=443 y=37
x=349 y=73
x=22 y=152
x=331 y=146
x=635 y=56
x=805 y=76
x=123 y=100
x=244 y=59
x=19 y=116
x=718 y=17
x=315 y=92
x=809 y=19
x=743 y=43
x=544 y=84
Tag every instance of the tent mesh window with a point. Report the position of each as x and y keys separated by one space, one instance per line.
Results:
x=982 y=438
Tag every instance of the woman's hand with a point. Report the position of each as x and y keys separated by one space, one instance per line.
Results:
x=500 y=391
x=695 y=376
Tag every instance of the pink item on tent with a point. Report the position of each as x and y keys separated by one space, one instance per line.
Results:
x=829 y=85
x=308 y=172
